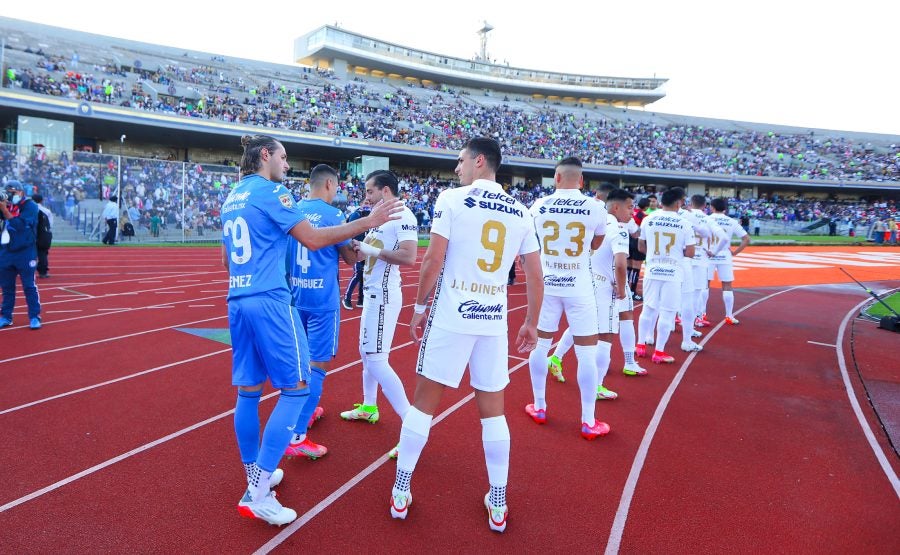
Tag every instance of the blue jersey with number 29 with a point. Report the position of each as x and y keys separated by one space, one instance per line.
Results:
x=256 y=219
x=314 y=274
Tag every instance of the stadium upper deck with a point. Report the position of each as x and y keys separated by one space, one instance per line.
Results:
x=188 y=101
x=349 y=54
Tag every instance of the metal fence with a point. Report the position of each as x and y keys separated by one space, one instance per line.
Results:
x=162 y=200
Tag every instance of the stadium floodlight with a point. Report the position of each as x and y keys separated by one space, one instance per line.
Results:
x=483 y=32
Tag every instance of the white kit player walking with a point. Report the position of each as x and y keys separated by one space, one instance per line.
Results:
x=666 y=238
x=384 y=250
x=477 y=233
x=721 y=263
x=569 y=226
x=703 y=251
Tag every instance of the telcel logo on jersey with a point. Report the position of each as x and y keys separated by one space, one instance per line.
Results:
x=508 y=205
x=558 y=206
x=473 y=310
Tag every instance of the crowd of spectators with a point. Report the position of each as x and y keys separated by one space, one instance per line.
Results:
x=316 y=101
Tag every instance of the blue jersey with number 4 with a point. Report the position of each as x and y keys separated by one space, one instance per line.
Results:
x=256 y=219
x=313 y=275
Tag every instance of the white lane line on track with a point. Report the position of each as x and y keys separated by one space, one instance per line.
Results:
x=142 y=448
x=851 y=394
x=822 y=344
x=108 y=382
x=61 y=311
x=169 y=292
x=200 y=305
x=108 y=339
x=618 y=527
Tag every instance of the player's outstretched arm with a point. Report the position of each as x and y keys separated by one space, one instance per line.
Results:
x=316 y=238
x=428 y=275
x=534 y=287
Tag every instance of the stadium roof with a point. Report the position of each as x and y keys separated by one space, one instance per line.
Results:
x=350 y=53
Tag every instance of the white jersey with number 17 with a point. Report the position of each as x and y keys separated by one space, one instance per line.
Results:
x=666 y=234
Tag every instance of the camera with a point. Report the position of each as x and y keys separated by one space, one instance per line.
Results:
x=3 y=195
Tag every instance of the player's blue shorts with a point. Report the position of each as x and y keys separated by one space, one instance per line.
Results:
x=322 y=333
x=267 y=339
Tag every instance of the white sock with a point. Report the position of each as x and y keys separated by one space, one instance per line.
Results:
x=370 y=384
x=413 y=437
x=495 y=439
x=646 y=323
x=390 y=383
x=565 y=343
x=728 y=299
x=626 y=339
x=537 y=365
x=664 y=328
x=587 y=380
x=604 y=354
x=688 y=309
x=700 y=307
x=704 y=299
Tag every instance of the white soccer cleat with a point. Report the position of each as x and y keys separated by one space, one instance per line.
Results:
x=400 y=502
x=276 y=478
x=268 y=508
x=691 y=347
x=496 y=515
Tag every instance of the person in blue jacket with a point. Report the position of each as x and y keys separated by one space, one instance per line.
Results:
x=18 y=253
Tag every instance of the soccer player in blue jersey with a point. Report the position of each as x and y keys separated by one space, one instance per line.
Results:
x=313 y=277
x=267 y=338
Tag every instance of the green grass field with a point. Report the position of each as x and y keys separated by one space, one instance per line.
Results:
x=878 y=310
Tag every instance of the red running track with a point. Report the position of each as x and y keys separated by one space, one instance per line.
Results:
x=750 y=446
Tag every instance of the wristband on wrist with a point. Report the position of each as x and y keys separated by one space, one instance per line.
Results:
x=419 y=308
x=369 y=250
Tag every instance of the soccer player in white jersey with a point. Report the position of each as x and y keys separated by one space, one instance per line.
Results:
x=722 y=263
x=569 y=225
x=626 y=313
x=384 y=250
x=666 y=238
x=701 y=233
x=477 y=232
x=704 y=250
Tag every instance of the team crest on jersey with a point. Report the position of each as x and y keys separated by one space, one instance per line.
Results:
x=474 y=192
x=286 y=201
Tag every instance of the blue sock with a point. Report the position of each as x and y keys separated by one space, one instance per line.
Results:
x=315 y=393
x=280 y=427
x=246 y=424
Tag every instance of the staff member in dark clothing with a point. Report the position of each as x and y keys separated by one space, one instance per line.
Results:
x=44 y=236
x=111 y=215
x=18 y=253
x=356 y=282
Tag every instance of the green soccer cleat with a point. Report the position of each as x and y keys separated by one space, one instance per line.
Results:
x=369 y=413
x=554 y=365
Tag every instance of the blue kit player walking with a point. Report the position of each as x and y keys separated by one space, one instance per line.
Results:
x=268 y=340
x=313 y=277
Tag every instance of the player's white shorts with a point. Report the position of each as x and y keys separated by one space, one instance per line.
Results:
x=607 y=310
x=376 y=326
x=581 y=313
x=701 y=277
x=725 y=270
x=662 y=295
x=443 y=356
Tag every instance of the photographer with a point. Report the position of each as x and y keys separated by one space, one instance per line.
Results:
x=18 y=253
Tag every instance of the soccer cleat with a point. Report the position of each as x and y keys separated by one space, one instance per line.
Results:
x=276 y=478
x=496 y=515
x=5 y=322
x=660 y=357
x=368 y=413
x=400 y=502
x=591 y=433
x=732 y=321
x=702 y=322
x=538 y=415
x=345 y=302
x=637 y=297
x=394 y=452
x=555 y=367
x=691 y=347
x=316 y=415
x=307 y=449
x=35 y=323
x=640 y=350
x=634 y=371
x=604 y=394
x=695 y=334
x=359 y=303
x=268 y=508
